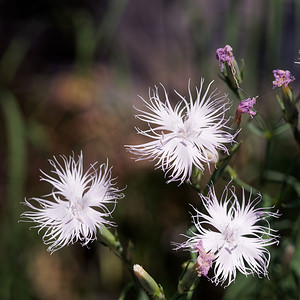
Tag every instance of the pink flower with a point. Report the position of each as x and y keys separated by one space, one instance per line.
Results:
x=225 y=55
x=246 y=105
x=282 y=78
x=204 y=259
x=245 y=108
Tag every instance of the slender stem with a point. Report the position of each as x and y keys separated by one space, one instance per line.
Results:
x=296 y=134
x=112 y=242
x=195 y=179
x=260 y=121
x=239 y=94
x=233 y=174
x=267 y=157
x=221 y=167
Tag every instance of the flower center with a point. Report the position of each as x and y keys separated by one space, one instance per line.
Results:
x=75 y=209
x=230 y=239
x=185 y=133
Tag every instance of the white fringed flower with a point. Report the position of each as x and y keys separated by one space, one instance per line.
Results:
x=189 y=134
x=233 y=232
x=78 y=208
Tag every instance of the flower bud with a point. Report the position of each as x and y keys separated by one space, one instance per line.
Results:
x=189 y=278
x=148 y=282
x=288 y=101
x=232 y=73
x=109 y=239
x=290 y=110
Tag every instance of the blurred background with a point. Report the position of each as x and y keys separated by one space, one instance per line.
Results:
x=70 y=73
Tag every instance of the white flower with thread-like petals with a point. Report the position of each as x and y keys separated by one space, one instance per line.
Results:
x=190 y=134
x=232 y=232
x=79 y=205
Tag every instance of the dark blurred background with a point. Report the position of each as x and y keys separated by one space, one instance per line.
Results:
x=70 y=73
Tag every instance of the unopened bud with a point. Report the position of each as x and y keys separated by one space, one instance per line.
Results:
x=189 y=278
x=229 y=67
x=212 y=157
x=148 y=283
x=109 y=239
x=290 y=111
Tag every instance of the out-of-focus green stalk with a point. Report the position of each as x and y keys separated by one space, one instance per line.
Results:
x=89 y=35
x=268 y=135
x=12 y=57
x=16 y=153
x=111 y=21
x=274 y=31
x=232 y=22
x=86 y=41
x=16 y=168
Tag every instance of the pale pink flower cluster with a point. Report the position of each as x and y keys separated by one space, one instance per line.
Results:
x=204 y=259
x=225 y=55
x=246 y=106
x=282 y=78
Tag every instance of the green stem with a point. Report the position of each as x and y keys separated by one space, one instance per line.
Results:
x=239 y=94
x=233 y=174
x=260 y=121
x=112 y=242
x=296 y=134
x=267 y=200
x=195 y=179
x=221 y=167
x=267 y=157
